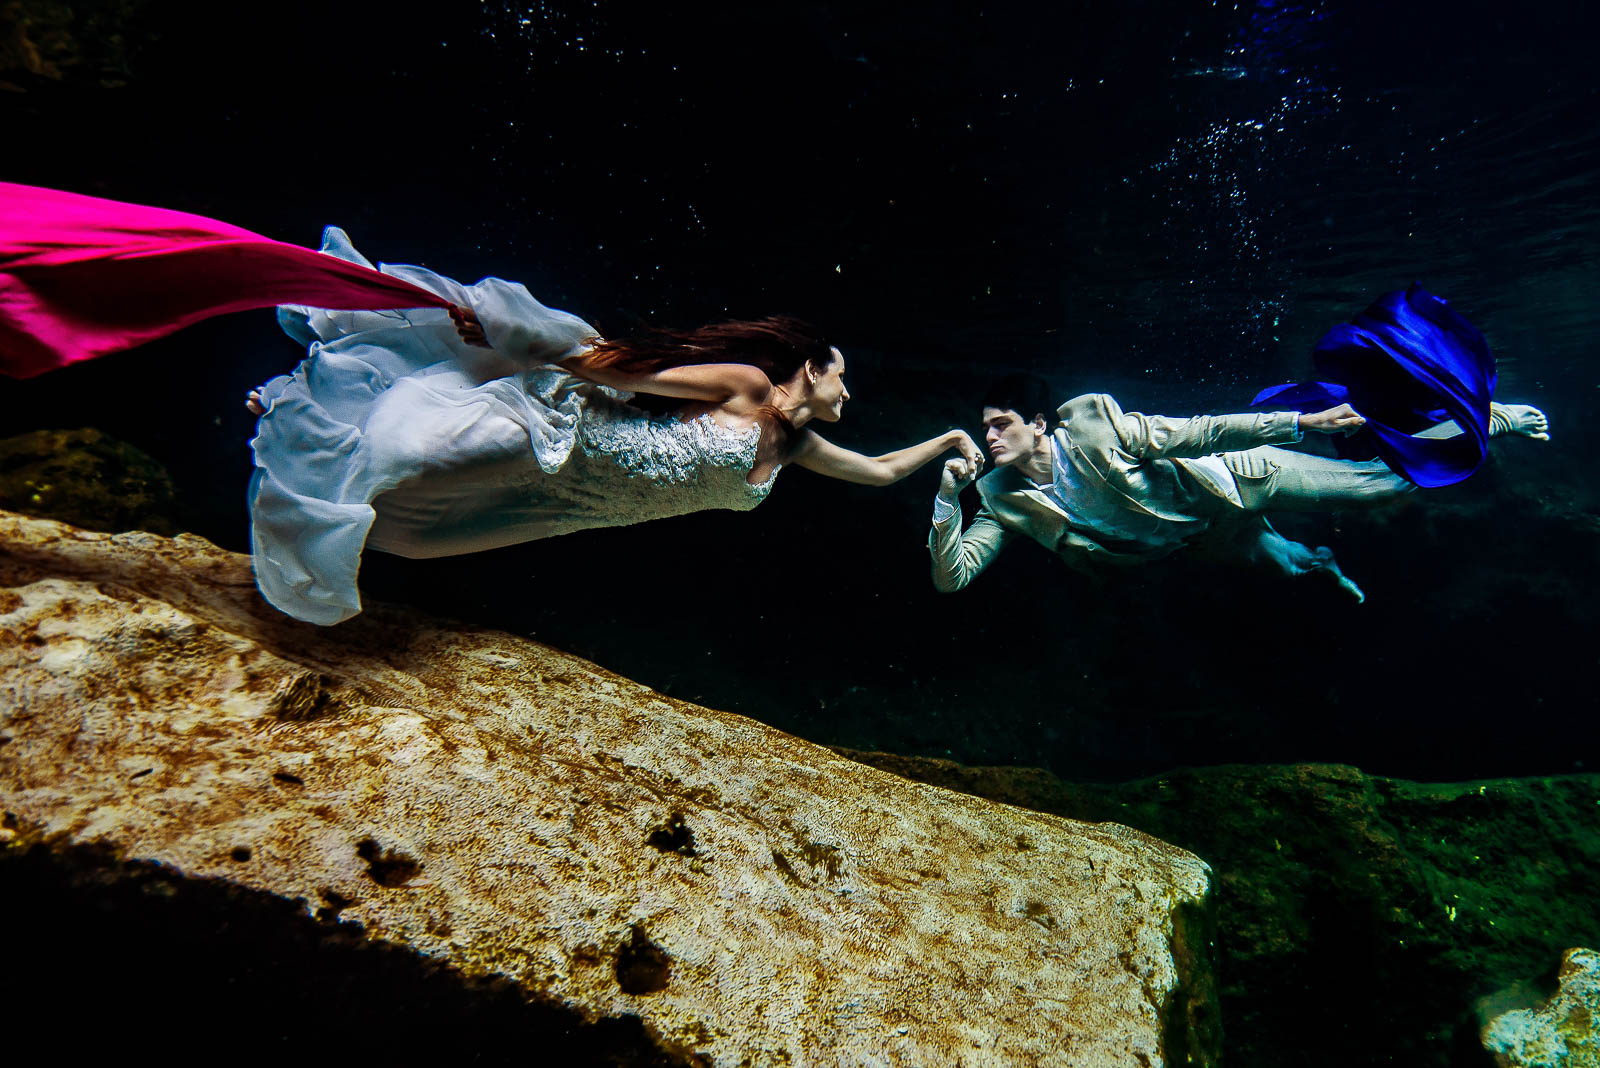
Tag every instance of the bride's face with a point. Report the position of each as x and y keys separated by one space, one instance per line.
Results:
x=827 y=389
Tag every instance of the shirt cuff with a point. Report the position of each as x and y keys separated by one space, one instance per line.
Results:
x=942 y=509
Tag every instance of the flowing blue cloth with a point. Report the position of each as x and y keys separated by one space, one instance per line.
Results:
x=1407 y=363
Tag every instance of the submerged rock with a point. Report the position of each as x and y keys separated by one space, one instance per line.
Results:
x=1343 y=896
x=506 y=843
x=1564 y=1032
x=86 y=478
x=45 y=41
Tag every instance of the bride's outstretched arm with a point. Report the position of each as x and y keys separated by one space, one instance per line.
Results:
x=815 y=453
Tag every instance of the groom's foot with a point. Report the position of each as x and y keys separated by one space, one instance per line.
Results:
x=1346 y=587
x=1523 y=419
x=253 y=402
x=1328 y=567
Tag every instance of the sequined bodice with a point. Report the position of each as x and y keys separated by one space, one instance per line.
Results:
x=634 y=466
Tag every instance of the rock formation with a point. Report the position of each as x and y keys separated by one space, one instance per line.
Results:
x=86 y=478
x=1345 y=896
x=47 y=41
x=1562 y=1033
x=523 y=819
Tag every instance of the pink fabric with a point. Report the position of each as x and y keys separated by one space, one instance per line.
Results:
x=81 y=277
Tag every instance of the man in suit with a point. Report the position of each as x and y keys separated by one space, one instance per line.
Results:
x=1103 y=488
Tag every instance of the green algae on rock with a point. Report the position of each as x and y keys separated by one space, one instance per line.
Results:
x=1345 y=897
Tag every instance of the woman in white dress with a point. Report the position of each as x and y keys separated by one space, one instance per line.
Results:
x=426 y=433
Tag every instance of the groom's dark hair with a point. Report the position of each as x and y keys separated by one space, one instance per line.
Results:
x=1027 y=395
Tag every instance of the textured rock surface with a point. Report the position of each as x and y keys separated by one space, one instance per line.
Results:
x=513 y=812
x=1564 y=1032
x=1343 y=896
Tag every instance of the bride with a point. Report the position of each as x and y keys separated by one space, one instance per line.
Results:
x=437 y=432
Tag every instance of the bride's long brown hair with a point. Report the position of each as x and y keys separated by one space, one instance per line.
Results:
x=779 y=346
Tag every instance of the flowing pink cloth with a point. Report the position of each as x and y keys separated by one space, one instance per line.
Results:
x=81 y=277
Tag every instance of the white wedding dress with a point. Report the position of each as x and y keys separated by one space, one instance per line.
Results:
x=395 y=434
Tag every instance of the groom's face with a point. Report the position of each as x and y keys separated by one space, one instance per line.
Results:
x=1007 y=435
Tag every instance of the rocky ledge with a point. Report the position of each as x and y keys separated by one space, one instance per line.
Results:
x=1421 y=910
x=402 y=830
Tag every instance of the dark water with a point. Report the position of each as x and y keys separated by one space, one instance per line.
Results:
x=1167 y=201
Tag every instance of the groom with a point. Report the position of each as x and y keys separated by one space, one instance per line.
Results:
x=1103 y=488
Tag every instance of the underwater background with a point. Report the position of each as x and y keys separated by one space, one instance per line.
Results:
x=1167 y=201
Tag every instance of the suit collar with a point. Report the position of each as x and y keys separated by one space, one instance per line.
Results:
x=1007 y=481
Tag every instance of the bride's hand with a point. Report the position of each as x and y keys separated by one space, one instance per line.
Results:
x=969 y=451
x=468 y=327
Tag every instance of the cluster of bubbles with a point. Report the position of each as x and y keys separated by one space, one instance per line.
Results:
x=1218 y=196
x=549 y=32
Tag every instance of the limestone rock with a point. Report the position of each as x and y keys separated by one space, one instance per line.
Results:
x=518 y=815
x=1563 y=1033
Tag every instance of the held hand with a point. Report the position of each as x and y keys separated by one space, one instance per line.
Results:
x=468 y=327
x=955 y=476
x=969 y=452
x=1340 y=420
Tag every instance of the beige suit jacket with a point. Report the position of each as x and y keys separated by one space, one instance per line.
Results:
x=1133 y=460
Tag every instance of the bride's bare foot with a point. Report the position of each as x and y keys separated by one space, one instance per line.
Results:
x=1522 y=419
x=253 y=402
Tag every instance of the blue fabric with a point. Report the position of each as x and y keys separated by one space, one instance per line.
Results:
x=1407 y=363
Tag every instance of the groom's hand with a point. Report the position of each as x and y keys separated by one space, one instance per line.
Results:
x=955 y=476
x=1340 y=420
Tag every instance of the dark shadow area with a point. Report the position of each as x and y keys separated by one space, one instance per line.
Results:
x=147 y=961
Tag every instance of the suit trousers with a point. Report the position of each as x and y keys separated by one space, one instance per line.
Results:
x=1271 y=479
